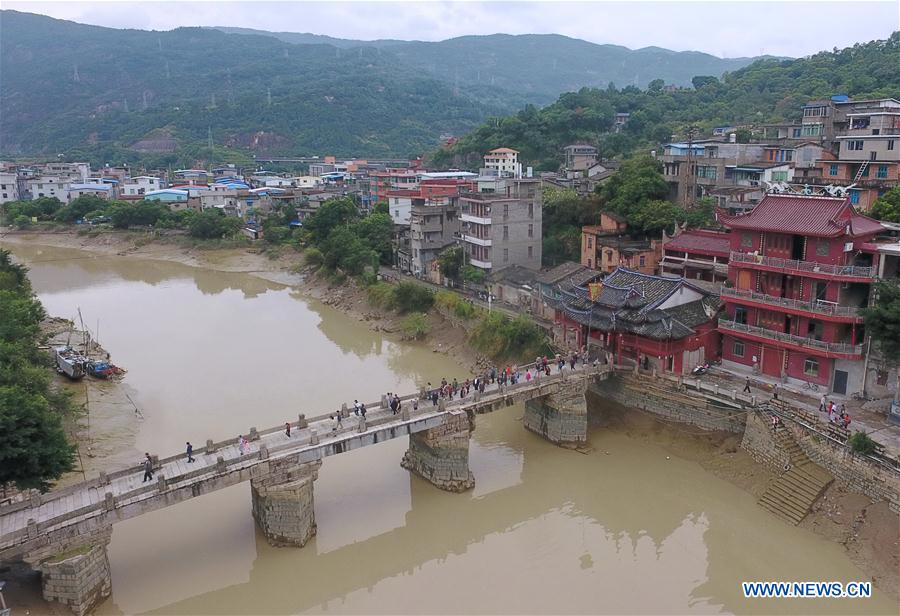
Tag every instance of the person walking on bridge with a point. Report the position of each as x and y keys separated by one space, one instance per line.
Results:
x=287 y=429
x=190 y=452
x=747 y=385
x=148 y=468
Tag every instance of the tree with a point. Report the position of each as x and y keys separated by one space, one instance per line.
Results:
x=637 y=182
x=887 y=207
x=882 y=323
x=213 y=224
x=701 y=81
x=451 y=262
x=381 y=208
x=79 y=207
x=656 y=85
x=332 y=214
x=35 y=451
x=377 y=231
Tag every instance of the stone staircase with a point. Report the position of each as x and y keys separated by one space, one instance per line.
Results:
x=791 y=495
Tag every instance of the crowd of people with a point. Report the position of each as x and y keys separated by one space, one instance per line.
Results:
x=837 y=417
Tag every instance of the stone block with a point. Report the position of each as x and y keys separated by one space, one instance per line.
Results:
x=441 y=455
x=285 y=512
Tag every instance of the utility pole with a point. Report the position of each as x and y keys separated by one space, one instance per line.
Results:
x=692 y=172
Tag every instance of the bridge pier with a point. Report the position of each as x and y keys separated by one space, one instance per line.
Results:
x=441 y=455
x=283 y=506
x=560 y=417
x=77 y=575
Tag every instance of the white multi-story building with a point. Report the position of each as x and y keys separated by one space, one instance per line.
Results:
x=49 y=186
x=9 y=187
x=504 y=162
x=140 y=185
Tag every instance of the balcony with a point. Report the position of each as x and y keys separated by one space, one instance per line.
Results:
x=790 y=341
x=827 y=310
x=481 y=241
x=478 y=220
x=479 y=263
x=803 y=268
x=430 y=226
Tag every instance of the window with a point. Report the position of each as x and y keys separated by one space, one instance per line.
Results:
x=832 y=169
x=747 y=240
x=779 y=176
x=531 y=210
x=823 y=248
x=505 y=232
x=643 y=260
x=737 y=349
x=811 y=366
x=795 y=133
x=882 y=172
x=530 y=230
x=890 y=144
x=506 y=210
x=740 y=315
x=506 y=255
x=855 y=144
x=811 y=130
x=590 y=241
x=531 y=252
x=854 y=197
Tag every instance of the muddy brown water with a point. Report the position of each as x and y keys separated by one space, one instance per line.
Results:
x=627 y=528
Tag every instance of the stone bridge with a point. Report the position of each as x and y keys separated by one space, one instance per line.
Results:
x=64 y=533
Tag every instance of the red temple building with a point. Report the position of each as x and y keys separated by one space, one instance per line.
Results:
x=659 y=322
x=800 y=269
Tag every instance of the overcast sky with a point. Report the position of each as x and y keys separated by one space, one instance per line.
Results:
x=723 y=28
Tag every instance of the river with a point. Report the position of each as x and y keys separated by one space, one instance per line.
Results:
x=627 y=528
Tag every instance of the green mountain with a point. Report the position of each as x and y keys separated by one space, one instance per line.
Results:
x=110 y=95
x=765 y=91
x=94 y=92
x=537 y=66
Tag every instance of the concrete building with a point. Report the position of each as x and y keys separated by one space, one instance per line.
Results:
x=92 y=189
x=579 y=157
x=9 y=187
x=694 y=169
x=801 y=268
x=504 y=162
x=502 y=223
x=49 y=186
x=139 y=186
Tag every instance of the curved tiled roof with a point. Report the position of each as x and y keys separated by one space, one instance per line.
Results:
x=804 y=215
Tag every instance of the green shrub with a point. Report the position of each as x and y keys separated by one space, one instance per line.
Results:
x=412 y=297
x=313 y=257
x=861 y=443
x=499 y=337
x=381 y=294
x=415 y=326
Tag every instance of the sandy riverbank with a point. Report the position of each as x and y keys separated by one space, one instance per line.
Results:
x=869 y=532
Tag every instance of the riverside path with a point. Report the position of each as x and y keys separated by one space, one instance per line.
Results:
x=64 y=533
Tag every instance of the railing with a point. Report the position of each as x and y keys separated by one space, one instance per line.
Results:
x=857 y=271
x=816 y=306
x=829 y=347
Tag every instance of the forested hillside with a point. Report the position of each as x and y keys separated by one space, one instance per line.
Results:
x=92 y=92
x=535 y=66
x=765 y=91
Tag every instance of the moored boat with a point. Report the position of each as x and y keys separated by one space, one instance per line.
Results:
x=70 y=362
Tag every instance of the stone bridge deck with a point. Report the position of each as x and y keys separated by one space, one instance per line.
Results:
x=49 y=522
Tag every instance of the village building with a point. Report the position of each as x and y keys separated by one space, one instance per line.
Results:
x=660 y=323
x=606 y=246
x=503 y=162
x=696 y=255
x=137 y=187
x=9 y=187
x=800 y=270
x=501 y=223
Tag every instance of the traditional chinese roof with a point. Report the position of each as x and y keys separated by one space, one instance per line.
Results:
x=804 y=215
x=701 y=242
x=629 y=302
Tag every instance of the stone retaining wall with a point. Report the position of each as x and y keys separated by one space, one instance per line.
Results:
x=760 y=444
x=858 y=472
x=663 y=399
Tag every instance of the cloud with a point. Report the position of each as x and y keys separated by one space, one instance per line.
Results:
x=722 y=28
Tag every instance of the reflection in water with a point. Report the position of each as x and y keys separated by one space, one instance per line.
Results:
x=544 y=530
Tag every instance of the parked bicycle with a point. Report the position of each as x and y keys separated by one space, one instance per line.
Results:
x=810 y=386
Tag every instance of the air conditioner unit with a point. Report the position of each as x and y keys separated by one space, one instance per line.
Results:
x=848 y=247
